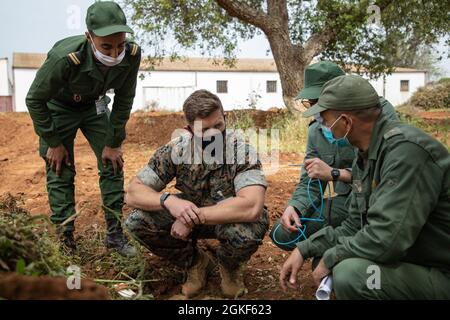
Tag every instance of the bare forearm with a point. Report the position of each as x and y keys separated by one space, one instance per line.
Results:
x=233 y=210
x=143 y=197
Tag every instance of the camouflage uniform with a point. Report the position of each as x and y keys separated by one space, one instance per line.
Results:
x=204 y=183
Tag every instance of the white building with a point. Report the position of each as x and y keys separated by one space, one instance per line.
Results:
x=252 y=82
x=6 y=103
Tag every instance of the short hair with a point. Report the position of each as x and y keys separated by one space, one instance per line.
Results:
x=201 y=103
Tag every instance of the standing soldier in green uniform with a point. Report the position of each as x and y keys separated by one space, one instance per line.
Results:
x=394 y=243
x=326 y=160
x=69 y=93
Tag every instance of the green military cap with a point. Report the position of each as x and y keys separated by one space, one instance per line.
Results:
x=105 y=18
x=316 y=75
x=345 y=93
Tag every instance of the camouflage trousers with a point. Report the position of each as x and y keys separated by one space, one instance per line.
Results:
x=238 y=241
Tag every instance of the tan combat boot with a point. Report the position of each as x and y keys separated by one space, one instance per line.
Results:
x=197 y=275
x=233 y=281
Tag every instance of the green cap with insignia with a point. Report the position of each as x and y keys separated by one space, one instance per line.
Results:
x=316 y=75
x=345 y=93
x=105 y=18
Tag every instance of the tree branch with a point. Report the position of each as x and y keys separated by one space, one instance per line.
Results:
x=245 y=13
x=318 y=41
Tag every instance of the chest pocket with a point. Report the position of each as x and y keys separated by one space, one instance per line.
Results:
x=360 y=200
x=222 y=185
x=190 y=182
x=83 y=93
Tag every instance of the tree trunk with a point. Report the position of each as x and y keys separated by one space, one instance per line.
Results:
x=290 y=59
x=290 y=67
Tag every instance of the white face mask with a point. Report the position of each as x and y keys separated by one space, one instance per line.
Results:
x=107 y=60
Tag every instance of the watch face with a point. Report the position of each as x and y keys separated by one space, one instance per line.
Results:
x=335 y=174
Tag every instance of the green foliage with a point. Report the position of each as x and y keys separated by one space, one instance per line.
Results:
x=360 y=35
x=202 y=25
x=435 y=95
x=293 y=131
x=27 y=245
x=240 y=119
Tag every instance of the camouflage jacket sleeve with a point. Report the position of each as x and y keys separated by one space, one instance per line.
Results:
x=50 y=78
x=123 y=103
x=300 y=199
x=160 y=170
x=250 y=172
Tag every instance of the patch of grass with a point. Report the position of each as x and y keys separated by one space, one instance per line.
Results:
x=28 y=244
x=240 y=119
x=292 y=128
x=293 y=131
x=438 y=129
x=108 y=268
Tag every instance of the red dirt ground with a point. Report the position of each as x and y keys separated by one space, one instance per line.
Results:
x=22 y=174
x=18 y=287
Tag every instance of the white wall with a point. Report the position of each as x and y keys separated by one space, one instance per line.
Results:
x=5 y=84
x=167 y=89
x=170 y=88
x=240 y=86
x=23 y=78
x=393 y=93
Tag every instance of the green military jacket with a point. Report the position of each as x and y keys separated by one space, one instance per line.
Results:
x=400 y=204
x=202 y=182
x=70 y=78
x=336 y=157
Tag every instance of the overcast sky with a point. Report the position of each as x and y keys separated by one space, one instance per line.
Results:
x=34 y=26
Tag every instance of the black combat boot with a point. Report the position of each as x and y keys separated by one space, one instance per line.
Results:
x=115 y=239
x=67 y=241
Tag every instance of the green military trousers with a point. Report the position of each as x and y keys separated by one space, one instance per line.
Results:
x=356 y=278
x=61 y=190
x=287 y=240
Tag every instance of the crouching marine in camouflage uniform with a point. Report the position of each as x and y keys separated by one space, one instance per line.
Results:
x=224 y=200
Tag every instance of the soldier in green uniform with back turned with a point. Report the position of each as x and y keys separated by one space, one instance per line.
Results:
x=69 y=93
x=395 y=241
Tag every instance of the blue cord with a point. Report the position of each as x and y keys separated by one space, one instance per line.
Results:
x=300 y=230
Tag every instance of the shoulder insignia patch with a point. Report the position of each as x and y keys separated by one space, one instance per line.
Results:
x=74 y=59
x=134 y=48
x=392 y=132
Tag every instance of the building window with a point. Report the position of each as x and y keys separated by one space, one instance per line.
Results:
x=404 y=85
x=271 y=86
x=222 y=86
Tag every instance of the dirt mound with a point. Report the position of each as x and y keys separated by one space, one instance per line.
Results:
x=153 y=128
x=435 y=115
x=15 y=128
x=156 y=128
x=18 y=287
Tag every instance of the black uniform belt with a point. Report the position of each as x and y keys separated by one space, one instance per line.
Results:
x=74 y=105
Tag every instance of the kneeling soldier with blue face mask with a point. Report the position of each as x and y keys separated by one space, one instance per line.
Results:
x=327 y=160
x=398 y=227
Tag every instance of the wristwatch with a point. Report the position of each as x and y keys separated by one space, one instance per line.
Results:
x=163 y=198
x=335 y=173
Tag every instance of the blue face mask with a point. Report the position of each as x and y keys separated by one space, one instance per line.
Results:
x=328 y=134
